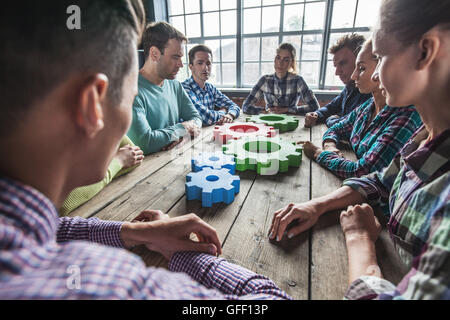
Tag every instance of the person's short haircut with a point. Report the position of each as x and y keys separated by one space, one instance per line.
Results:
x=41 y=51
x=351 y=41
x=198 y=48
x=158 y=34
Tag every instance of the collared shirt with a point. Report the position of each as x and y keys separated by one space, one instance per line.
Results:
x=417 y=187
x=375 y=142
x=285 y=92
x=349 y=99
x=46 y=257
x=205 y=100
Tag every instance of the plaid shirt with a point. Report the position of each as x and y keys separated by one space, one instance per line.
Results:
x=375 y=142
x=417 y=187
x=348 y=100
x=284 y=92
x=39 y=259
x=206 y=99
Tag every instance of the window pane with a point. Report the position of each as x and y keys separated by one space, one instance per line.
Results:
x=229 y=74
x=229 y=50
x=293 y=17
x=293 y=1
x=267 y=68
x=210 y=5
x=215 y=74
x=193 y=26
x=312 y=47
x=343 y=14
x=191 y=6
x=178 y=23
x=295 y=41
x=214 y=45
x=211 y=24
x=366 y=15
x=251 y=74
x=310 y=72
x=175 y=7
x=271 y=18
x=227 y=4
x=314 y=16
x=251 y=49
x=269 y=48
x=252 y=20
x=228 y=22
x=331 y=80
x=269 y=2
x=252 y=3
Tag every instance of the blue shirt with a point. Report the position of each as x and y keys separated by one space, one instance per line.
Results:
x=349 y=99
x=206 y=99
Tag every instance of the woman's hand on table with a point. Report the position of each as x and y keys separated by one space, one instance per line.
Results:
x=304 y=215
x=310 y=149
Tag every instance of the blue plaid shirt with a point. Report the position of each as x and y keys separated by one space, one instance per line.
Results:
x=284 y=92
x=205 y=100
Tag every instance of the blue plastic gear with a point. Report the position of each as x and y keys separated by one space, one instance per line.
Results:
x=212 y=186
x=214 y=160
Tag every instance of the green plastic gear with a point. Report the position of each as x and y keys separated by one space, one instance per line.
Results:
x=282 y=122
x=266 y=155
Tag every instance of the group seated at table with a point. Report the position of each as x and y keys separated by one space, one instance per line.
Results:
x=375 y=131
x=79 y=99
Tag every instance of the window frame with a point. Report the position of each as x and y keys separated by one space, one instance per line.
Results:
x=325 y=32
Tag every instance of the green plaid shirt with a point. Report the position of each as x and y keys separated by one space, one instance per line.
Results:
x=416 y=185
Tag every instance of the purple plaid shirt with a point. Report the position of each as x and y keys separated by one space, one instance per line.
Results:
x=46 y=257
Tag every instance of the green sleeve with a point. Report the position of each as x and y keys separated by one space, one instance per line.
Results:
x=186 y=107
x=142 y=134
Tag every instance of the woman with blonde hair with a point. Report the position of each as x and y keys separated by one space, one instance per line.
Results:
x=283 y=89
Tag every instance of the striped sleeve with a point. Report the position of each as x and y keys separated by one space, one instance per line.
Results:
x=249 y=103
x=93 y=229
x=232 y=280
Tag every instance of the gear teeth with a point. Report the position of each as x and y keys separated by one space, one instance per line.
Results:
x=282 y=122
x=267 y=156
x=237 y=130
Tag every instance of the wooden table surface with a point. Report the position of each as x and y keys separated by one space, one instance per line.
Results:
x=312 y=265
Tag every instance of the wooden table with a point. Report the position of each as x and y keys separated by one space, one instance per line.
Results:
x=312 y=265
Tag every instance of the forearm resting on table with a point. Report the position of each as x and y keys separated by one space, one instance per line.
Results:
x=362 y=259
x=338 y=199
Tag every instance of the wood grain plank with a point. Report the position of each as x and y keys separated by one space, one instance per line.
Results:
x=287 y=262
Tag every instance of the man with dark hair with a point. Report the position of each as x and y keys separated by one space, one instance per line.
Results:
x=205 y=96
x=162 y=111
x=344 y=53
x=66 y=103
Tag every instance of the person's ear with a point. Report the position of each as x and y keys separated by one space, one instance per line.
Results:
x=154 y=53
x=89 y=113
x=191 y=66
x=429 y=47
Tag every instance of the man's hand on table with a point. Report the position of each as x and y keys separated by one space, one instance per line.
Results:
x=160 y=233
x=228 y=118
x=172 y=145
x=192 y=128
x=311 y=119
